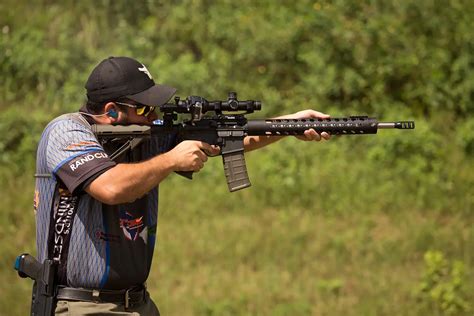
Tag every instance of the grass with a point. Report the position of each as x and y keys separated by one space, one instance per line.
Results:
x=349 y=243
x=295 y=262
x=282 y=262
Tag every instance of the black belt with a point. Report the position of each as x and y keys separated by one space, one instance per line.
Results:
x=129 y=297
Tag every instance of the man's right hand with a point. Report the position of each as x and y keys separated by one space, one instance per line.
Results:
x=190 y=155
x=127 y=182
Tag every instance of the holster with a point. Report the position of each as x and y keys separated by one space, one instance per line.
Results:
x=43 y=301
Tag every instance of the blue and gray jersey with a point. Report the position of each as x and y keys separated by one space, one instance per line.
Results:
x=97 y=245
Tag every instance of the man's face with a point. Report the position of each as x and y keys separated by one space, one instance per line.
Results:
x=132 y=117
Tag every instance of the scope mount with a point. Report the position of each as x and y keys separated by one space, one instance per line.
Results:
x=197 y=106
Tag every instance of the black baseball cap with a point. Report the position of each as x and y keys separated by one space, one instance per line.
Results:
x=124 y=77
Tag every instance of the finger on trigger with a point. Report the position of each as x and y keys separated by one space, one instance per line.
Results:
x=209 y=149
x=212 y=151
x=202 y=155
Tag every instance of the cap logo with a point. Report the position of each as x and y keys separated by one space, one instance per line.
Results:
x=143 y=69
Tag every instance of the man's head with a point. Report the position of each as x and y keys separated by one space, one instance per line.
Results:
x=117 y=84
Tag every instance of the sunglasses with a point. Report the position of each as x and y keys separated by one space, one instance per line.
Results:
x=141 y=109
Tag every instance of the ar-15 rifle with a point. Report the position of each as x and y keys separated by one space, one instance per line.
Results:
x=228 y=126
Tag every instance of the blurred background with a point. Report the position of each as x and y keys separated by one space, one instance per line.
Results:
x=369 y=225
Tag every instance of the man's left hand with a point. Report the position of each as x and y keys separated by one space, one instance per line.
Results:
x=310 y=134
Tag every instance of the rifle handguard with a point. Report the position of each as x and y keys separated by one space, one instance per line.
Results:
x=353 y=125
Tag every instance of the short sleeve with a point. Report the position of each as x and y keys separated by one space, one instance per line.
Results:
x=74 y=155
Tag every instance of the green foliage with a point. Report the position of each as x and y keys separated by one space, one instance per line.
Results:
x=332 y=286
x=465 y=136
x=444 y=285
x=18 y=142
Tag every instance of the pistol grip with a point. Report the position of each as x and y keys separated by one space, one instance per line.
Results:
x=27 y=266
x=186 y=174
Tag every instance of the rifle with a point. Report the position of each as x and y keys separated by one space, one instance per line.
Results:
x=228 y=126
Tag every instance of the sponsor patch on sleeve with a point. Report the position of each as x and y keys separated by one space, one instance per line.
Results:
x=76 y=163
x=77 y=170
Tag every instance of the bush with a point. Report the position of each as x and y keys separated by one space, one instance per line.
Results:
x=443 y=285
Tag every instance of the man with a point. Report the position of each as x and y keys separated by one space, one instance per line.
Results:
x=97 y=217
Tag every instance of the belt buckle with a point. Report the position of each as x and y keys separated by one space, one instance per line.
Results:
x=95 y=295
x=127 y=298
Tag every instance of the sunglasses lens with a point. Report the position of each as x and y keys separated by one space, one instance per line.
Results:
x=141 y=110
x=144 y=110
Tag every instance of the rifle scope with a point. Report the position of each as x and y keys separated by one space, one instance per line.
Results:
x=195 y=103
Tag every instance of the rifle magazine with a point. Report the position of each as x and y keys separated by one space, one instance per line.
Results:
x=236 y=171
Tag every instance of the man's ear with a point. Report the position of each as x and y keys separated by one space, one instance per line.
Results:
x=110 y=109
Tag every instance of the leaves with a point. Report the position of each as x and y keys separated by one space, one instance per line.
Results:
x=399 y=60
x=443 y=285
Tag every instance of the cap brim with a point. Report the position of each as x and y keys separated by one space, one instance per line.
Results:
x=157 y=95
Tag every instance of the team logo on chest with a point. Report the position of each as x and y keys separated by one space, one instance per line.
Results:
x=132 y=227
